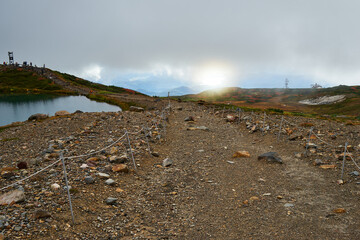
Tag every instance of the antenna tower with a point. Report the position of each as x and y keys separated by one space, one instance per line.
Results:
x=11 y=58
x=286 y=83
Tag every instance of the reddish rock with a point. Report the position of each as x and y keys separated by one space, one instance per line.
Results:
x=120 y=168
x=327 y=166
x=241 y=154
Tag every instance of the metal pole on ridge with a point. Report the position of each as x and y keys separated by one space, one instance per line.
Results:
x=146 y=132
x=67 y=187
x=132 y=155
x=263 y=128
x=308 y=141
x=282 y=119
x=343 y=163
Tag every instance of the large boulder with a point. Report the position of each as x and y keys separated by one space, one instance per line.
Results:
x=38 y=116
x=271 y=157
x=136 y=109
x=12 y=197
x=62 y=113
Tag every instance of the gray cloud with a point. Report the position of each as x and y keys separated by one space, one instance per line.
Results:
x=317 y=39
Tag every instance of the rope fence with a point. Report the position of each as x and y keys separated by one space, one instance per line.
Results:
x=277 y=124
x=125 y=136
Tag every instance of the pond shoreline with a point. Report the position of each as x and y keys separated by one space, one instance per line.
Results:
x=19 y=107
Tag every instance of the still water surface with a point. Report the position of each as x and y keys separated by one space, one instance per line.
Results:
x=14 y=108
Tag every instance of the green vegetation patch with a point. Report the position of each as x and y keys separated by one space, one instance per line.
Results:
x=102 y=98
x=9 y=139
x=14 y=80
x=275 y=110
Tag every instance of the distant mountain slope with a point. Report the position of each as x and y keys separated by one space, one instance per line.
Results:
x=286 y=99
x=179 y=91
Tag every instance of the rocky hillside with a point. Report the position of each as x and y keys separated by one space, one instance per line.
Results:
x=199 y=173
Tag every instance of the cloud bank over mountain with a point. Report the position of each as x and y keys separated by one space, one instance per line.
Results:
x=165 y=44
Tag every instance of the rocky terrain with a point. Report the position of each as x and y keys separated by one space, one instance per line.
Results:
x=202 y=177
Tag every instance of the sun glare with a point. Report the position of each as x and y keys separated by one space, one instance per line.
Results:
x=214 y=75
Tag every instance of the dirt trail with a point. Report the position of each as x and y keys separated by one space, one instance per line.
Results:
x=211 y=204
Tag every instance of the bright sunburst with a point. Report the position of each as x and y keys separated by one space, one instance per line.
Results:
x=213 y=75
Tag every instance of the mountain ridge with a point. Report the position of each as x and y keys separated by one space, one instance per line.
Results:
x=284 y=99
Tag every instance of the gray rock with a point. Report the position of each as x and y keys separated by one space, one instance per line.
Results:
x=354 y=173
x=288 y=205
x=69 y=138
x=49 y=150
x=110 y=182
x=15 y=196
x=35 y=161
x=38 y=116
x=318 y=162
x=189 y=118
x=271 y=157
x=155 y=154
x=111 y=200
x=3 y=221
x=203 y=128
x=118 y=159
x=17 y=228
x=89 y=180
x=167 y=162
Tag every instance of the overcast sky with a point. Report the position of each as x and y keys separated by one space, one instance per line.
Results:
x=161 y=44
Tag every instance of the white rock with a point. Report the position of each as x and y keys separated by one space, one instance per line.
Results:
x=103 y=175
x=55 y=186
x=83 y=166
x=110 y=182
